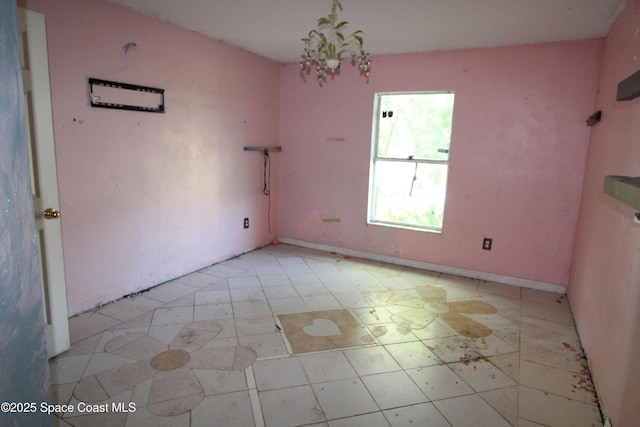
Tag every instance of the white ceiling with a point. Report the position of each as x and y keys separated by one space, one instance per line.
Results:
x=274 y=28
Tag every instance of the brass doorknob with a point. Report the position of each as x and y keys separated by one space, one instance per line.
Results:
x=51 y=213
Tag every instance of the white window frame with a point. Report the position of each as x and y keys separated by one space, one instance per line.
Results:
x=375 y=158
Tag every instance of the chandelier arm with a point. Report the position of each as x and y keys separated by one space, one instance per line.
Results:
x=327 y=43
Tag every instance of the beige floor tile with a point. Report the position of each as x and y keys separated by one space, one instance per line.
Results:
x=244 y=282
x=78 y=417
x=250 y=308
x=352 y=299
x=142 y=347
x=504 y=401
x=547 y=329
x=470 y=411
x=103 y=420
x=344 y=398
x=254 y=325
x=212 y=312
x=90 y=390
x=290 y=407
x=424 y=414
x=86 y=324
x=85 y=346
x=373 y=315
x=170 y=291
x=166 y=333
x=327 y=366
x=439 y=382
x=142 y=417
x=395 y=282
x=402 y=347
x=67 y=369
x=491 y=345
x=507 y=363
x=220 y=382
x=418 y=276
x=168 y=316
x=550 y=353
x=494 y=322
x=321 y=303
x=216 y=358
x=212 y=297
x=247 y=294
x=511 y=336
x=556 y=313
x=413 y=355
x=123 y=378
x=279 y=279
x=287 y=305
x=279 y=373
x=108 y=336
x=452 y=349
x=308 y=290
x=59 y=422
x=393 y=389
x=140 y=395
x=101 y=362
x=557 y=381
x=558 y=411
x=265 y=345
x=185 y=301
x=280 y=292
x=223 y=270
x=197 y=279
x=526 y=423
x=482 y=375
x=544 y=297
x=141 y=321
x=391 y=333
x=368 y=420
x=128 y=308
x=493 y=288
x=61 y=393
x=174 y=392
x=371 y=360
x=436 y=329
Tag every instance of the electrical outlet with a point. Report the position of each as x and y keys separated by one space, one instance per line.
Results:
x=246 y=223
x=486 y=243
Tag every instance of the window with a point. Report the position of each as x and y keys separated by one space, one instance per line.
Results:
x=410 y=159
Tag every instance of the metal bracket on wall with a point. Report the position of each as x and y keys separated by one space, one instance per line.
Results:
x=120 y=98
x=263 y=149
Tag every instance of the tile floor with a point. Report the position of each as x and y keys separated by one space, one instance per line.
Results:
x=287 y=336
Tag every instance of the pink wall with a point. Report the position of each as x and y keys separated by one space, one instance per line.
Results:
x=604 y=289
x=517 y=156
x=148 y=197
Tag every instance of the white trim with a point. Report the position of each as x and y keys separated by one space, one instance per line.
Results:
x=506 y=280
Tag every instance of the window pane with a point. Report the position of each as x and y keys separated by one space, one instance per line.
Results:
x=417 y=125
x=409 y=195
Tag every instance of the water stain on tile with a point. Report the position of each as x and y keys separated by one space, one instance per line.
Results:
x=433 y=304
x=170 y=360
x=323 y=330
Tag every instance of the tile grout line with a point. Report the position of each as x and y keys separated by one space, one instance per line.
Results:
x=258 y=419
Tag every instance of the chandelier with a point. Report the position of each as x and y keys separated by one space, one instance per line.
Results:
x=326 y=45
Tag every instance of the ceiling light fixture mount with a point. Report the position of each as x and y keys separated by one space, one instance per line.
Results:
x=325 y=46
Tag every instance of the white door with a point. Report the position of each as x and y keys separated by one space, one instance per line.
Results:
x=44 y=182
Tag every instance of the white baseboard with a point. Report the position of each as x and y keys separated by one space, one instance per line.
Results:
x=507 y=280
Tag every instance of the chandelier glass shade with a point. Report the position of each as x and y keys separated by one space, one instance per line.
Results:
x=327 y=44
